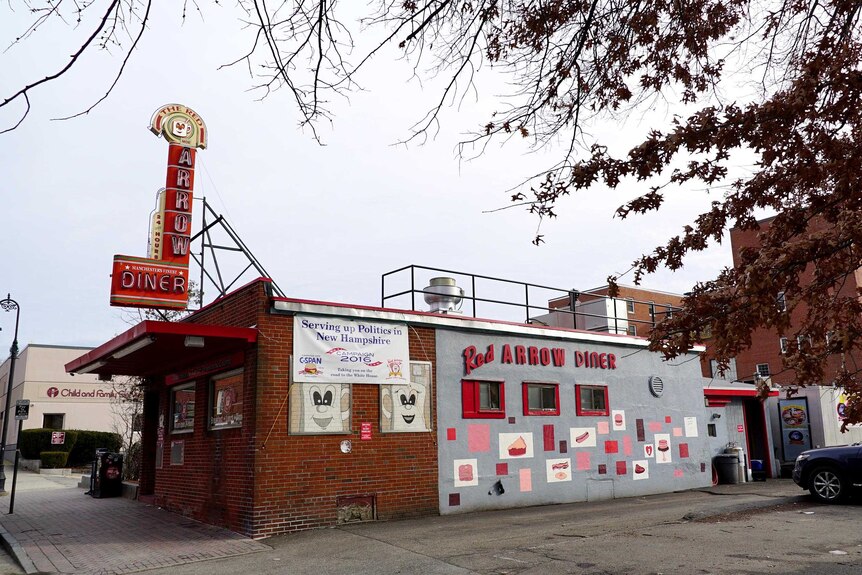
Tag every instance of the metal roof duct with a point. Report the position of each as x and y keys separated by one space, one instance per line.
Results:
x=443 y=295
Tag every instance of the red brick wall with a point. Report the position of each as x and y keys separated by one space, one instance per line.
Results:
x=765 y=346
x=298 y=478
x=215 y=482
x=258 y=480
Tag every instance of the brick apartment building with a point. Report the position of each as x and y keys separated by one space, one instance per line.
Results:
x=821 y=423
x=251 y=422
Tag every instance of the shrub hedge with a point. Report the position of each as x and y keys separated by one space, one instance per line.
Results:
x=80 y=446
x=54 y=459
x=84 y=450
x=33 y=442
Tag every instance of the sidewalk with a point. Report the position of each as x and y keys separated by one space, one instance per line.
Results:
x=55 y=528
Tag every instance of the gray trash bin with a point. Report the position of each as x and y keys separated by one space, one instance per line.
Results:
x=726 y=465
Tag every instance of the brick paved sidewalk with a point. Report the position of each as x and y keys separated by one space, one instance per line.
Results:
x=58 y=529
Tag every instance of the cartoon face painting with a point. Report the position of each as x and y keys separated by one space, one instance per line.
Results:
x=320 y=408
x=323 y=408
x=404 y=407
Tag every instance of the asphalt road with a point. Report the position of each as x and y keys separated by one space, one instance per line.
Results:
x=689 y=532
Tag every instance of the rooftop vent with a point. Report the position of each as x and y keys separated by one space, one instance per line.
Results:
x=443 y=295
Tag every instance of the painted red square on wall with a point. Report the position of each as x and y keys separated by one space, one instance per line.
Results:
x=548 y=436
x=502 y=469
x=621 y=468
x=611 y=447
x=683 y=449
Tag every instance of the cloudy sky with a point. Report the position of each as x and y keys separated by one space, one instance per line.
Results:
x=325 y=221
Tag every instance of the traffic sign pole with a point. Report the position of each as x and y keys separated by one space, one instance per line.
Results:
x=22 y=412
x=15 y=470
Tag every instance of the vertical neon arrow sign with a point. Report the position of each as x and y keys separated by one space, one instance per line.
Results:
x=161 y=281
x=185 y=131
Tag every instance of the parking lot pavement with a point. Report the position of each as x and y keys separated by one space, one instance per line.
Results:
x=56 y=528
x=771 y=528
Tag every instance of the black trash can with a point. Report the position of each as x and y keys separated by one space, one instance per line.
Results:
x=727 y=467
x=109 y=475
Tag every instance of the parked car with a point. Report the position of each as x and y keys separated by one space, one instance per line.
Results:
x=829 y=473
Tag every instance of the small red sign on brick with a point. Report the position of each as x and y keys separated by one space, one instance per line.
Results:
x=365 y=431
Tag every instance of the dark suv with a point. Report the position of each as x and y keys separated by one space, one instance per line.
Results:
x=829 y=472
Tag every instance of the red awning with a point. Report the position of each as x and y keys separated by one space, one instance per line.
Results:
x=159 y=347
x=728 y=393
x=720 y=397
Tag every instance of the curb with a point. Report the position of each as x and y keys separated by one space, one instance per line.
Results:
x=17 y=551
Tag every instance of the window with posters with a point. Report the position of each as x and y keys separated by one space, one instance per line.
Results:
x=183 y=408
x=226 y=400
x=406 y=407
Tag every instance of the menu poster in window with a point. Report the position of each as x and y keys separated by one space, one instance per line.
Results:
x=319 y=408
x=349 y=351
x=794 y=413
x=226 y=397
x=183 y=409
x=406 y=407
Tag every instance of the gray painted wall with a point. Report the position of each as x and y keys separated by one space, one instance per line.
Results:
x=528 y=480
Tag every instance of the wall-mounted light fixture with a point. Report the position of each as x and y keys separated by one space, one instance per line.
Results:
x=92 y=367
x=132 y=348
x=194 y=341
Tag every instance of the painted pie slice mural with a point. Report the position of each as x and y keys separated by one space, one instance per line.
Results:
x=518 y=447
x=515 y=445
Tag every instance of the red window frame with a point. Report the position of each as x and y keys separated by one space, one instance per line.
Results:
x=580 y=411
x=525 y=394
x=470 y=400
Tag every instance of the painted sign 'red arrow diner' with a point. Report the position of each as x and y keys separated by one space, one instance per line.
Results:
x=161 y=281
x=533 y=355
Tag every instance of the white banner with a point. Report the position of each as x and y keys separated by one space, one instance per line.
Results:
x=350 y=351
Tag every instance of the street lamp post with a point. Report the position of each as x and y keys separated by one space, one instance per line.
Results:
x=8 y=304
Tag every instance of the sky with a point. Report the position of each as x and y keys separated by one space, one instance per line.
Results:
x=326 y=221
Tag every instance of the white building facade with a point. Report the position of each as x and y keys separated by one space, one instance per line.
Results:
x=57 y=399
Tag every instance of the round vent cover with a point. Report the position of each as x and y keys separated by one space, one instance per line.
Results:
x=656 y=386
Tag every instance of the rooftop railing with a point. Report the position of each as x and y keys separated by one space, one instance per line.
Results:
x=509 y=300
